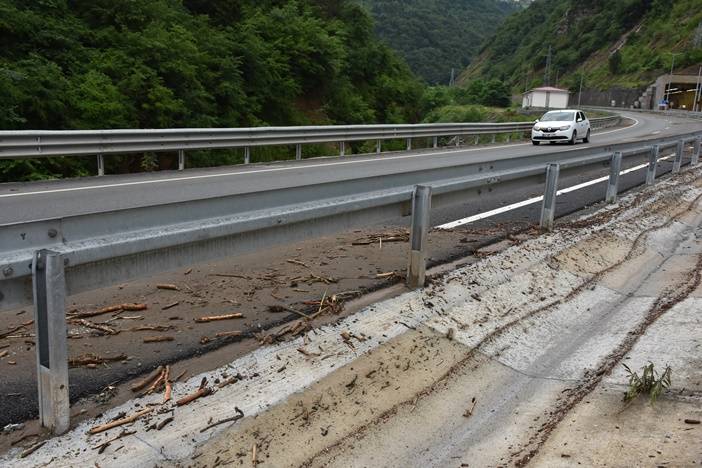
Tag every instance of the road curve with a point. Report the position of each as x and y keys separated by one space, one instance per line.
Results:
x=21 y=202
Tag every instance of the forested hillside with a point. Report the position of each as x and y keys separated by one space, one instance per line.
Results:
x=192 y=63
x=623 y=42
x=437 y=35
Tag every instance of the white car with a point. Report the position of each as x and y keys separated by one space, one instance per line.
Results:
x=566 y=125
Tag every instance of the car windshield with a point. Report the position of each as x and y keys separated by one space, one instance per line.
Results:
x=558 y=116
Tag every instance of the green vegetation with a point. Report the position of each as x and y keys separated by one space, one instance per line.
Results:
x=650 y=382
x=480 y=101
x=437 y=35
x=191 y=63
x=625 y=43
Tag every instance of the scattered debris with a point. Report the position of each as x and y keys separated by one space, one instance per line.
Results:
x=692 y=421
x=169 y=388
x=12 y=427
x=229 y=333
x=239 y=415
x=101 y=448
x=147 y=380
x=91 y=359
x=157 y=339
x=163 y=423
x=469 y=412
x=32 y=449
x=297 y=262
x=169 y=287
x=215 y=318
x=307 y=353
x=204 y=390
x=451 y=333
x=119 y=422
x=95 y=326
x=171 y=305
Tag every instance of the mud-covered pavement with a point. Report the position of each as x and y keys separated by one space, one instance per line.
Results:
x=510 y=360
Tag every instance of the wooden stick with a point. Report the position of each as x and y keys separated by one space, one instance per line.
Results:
x=170 y=287
x=157 y=339
x=32 y=449
x=133 y=307
x=95 y=326
x=119 y=422
x=215 y=318
x=240 y=415
x=101 y=448
x=204 y=391
x=229 y=333
x=157 y=383
x=167 y=393
x=146 y=381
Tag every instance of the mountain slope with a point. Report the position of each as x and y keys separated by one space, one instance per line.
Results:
x=192 y=63
x=437 y=35
x=625 y=43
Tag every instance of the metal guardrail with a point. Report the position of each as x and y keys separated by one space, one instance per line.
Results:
x=670 y=112
x=45 y=261
x=41 y=144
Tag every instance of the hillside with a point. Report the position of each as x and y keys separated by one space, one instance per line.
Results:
x=624 y=43
x=192 y=63
x=436 y=35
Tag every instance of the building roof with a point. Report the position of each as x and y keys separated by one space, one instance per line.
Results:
x=549 y=89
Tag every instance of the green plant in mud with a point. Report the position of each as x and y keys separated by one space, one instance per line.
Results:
x=650 y=382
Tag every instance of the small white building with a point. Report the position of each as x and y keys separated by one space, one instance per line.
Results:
x=546 y=97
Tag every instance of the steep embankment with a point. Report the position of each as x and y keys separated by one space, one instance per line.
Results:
x=435 y=36
x=624 y=43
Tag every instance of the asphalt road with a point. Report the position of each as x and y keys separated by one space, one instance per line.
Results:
x=20 y=202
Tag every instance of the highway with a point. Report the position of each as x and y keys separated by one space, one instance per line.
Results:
x=21 y=202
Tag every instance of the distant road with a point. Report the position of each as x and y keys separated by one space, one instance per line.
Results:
x=40 y=200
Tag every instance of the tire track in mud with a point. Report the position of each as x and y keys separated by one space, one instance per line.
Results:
x=664 y=303
x=470 y=355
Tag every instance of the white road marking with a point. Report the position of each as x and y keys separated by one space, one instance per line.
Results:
x=277 y=169
x=531 y=201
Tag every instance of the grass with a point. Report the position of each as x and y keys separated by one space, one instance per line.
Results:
x=650 y=382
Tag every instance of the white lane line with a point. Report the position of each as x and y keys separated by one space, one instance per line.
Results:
x=277 y=169
x=531 y=201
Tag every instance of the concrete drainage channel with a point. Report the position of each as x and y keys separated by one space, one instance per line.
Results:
x=486 y=366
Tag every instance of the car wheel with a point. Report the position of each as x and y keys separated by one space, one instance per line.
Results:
x=535 y=143
x=587 y=137
x=573 y=138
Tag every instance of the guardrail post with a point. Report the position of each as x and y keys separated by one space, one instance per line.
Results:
x=652 y=165
x=181 y=160
x=421 y=208
x=101 y=165
x=509 y=137
x=379 y=146
x=548 y=208
x=494 y=135
x=49 y=286
x=298 y=151
x=436 y=142
x=477 y=140
x=677 y=164
x=409 y=144
x=615 y=167
x=342 y=148
x=247 y=154
x=458 y=141
x=696 y=151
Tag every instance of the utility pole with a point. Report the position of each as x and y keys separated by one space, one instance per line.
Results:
x=453 y=71
x=580 y=92
x=670 y=80
x=547 y=77
x=698 y=91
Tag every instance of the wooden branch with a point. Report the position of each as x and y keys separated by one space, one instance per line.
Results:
x=119 y=422
x=215 y=318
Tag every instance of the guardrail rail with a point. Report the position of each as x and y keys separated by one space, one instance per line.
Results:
x=42 y=262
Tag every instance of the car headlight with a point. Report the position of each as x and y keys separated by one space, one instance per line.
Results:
x=565 y=127
x=536 y=127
